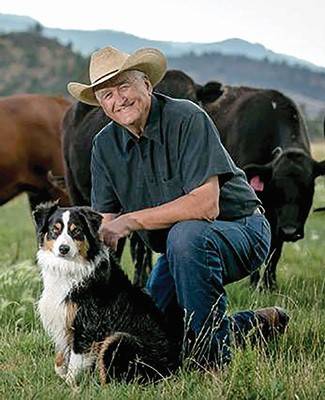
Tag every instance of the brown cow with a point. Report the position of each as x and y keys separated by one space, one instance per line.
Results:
x=30 y=148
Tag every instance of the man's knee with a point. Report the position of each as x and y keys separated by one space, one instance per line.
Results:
x=186 y=236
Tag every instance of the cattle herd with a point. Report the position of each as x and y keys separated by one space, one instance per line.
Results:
x=46 y=147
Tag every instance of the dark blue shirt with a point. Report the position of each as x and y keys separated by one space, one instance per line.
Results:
x=178 y=151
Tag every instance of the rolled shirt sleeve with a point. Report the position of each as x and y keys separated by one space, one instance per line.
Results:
x=202 y=154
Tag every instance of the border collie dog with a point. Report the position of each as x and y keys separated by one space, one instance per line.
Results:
x=89 y=307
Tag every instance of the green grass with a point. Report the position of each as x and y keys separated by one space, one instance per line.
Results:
x=292 y=368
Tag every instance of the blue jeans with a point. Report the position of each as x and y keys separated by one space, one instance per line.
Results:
x=201 y=258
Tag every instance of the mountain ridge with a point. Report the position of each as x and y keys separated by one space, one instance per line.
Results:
x=86 y=41
x=33 y=63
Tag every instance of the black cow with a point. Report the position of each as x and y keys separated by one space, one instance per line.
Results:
x=266 y=136
x=262 y=130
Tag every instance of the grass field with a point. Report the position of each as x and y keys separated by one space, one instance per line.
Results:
x=293 y=368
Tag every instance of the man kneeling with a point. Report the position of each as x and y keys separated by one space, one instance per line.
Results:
x=159 y=168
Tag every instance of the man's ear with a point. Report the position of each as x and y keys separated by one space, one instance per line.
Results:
x=42 y=214
x=148 y=84
x=92 y=218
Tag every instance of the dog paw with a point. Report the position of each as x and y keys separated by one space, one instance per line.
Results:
x=61 y=371
x=71 y=381
x=60 y=366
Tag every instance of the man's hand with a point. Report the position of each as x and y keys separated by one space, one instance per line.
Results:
x=202 y=203
x=112 y=230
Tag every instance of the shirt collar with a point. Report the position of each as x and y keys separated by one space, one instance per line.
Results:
x=151 y=130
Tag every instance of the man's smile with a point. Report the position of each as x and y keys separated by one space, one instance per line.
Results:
x=125 y=108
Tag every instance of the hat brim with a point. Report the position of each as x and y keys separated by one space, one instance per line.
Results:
x=150 y=61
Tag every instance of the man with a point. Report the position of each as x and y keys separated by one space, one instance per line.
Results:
x=160 y=169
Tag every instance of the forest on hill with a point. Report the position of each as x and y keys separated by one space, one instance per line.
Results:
x=33 y=63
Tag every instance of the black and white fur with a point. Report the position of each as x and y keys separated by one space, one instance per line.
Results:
x=89 y=307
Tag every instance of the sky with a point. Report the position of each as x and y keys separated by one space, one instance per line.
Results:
x=293 y=27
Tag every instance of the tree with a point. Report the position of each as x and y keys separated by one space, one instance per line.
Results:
x=37 y=28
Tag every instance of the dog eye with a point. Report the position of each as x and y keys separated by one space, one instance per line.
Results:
x=76 y=231
x=55 y=229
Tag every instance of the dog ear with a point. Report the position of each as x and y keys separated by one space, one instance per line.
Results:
x=92 y=218
x=42 y=214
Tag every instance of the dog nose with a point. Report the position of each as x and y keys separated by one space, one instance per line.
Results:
x=64 y=249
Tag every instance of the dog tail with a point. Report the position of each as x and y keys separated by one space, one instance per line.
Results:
x=118 y=357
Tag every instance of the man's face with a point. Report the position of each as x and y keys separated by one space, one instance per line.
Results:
x=126 y=100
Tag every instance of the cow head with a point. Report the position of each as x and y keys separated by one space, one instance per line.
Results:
x=178 y=85
x=286 y=187
x=210 y=92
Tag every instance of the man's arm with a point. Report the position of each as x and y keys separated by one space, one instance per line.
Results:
x=202 y=203
x=107 y=217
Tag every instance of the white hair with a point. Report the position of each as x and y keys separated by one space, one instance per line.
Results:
x=134 y=73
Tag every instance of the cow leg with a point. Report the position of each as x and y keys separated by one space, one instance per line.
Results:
x=269 y=277
x=137 y=248
x=254 y=278
x=142 y=257
x=120 y=248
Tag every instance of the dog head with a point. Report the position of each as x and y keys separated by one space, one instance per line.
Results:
x=68 y=233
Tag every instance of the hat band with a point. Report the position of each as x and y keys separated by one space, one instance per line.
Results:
x=103 y=76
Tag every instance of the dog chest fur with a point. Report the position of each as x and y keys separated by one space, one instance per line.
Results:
x=58 y=281
x=53 y=309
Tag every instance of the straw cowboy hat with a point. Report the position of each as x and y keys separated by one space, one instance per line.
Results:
x=108 y=62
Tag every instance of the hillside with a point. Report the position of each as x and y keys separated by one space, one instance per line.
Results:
x=32 y=63
x=86 y=42
x=306 y=87
x=239 y=70
x=11 y=23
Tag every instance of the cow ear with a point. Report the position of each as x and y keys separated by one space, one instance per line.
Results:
x=319 y=168
x=256 y=172
x=210 y=92
x=92 y=218
x=42 y=214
